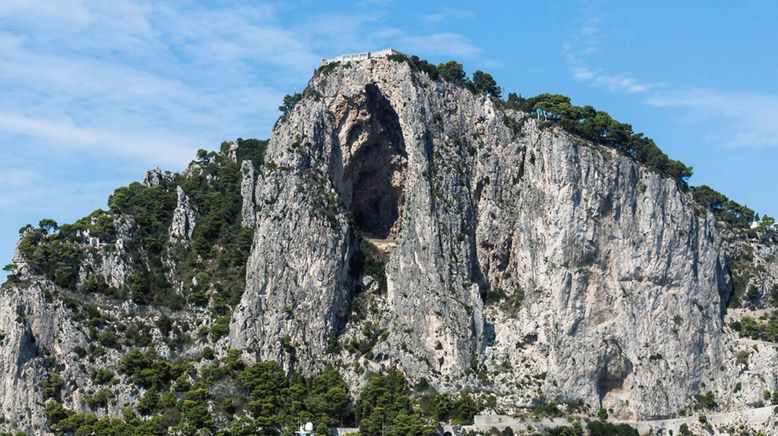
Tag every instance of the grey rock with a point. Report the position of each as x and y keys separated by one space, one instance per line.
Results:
x=156 y=176
x=617 y=264
x=184 y=218
x=247 y=215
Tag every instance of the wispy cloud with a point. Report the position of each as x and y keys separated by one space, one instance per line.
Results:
x=746 y=119
x=624 y=82
x=743 y=118
x=58 y=134
x=439 y=44
x=447 y=14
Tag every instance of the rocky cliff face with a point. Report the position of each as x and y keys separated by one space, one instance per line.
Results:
x=624 y=283
x=404 y=222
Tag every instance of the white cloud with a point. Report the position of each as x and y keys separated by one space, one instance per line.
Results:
x=65 y=133
x=447 y=14
x=745 y=119
x=92 y=75
x=439 y=44
x=616 y=83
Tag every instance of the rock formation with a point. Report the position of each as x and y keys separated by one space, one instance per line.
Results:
x=514 y=259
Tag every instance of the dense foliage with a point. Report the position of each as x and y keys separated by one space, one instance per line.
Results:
x=384 y=408
x=220 y=245
x=725 y=209
x=230 y=396
x=601 y=428
x=600 y=127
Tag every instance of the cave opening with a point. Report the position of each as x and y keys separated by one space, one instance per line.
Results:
x=376 y=169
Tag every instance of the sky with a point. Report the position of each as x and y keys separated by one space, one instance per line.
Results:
x=92 y=94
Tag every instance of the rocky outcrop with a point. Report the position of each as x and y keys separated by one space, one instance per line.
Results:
x=247 y=188
x=110 y=261
x=184 y=218
x=624 y=280
x=298 y=285
x=156 y=177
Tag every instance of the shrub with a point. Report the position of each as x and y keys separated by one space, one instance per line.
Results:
x=600 y=428
x=101 y=376
x=221 y=327
x=101 y=398
x=53 y=386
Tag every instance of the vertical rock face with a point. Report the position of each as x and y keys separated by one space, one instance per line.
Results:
x=184 y=218
x=298 y=285
x=616 y=267
x=625 y=285
x=32 y=326
x=248 y=182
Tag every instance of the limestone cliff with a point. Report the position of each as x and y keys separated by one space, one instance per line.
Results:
x=400 y=221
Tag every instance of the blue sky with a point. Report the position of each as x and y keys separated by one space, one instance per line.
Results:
x=94 y=93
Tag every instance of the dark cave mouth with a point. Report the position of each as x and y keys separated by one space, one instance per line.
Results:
x=375 y=205
x=377 y=170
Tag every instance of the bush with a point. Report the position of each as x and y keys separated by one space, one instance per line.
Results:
x=600 y=428
x=221 y=327
x=146 y=369
x=101 y=376
x=766 y=331
x=101 y=398
x=52 y=387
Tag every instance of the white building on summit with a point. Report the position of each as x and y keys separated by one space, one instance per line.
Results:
x=358 y=57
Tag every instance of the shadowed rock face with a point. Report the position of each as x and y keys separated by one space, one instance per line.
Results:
x=375 y=172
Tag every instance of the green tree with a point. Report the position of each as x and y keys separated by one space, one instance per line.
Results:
x=385 y=408
x=452 y=72
x=265 y=381
x=484 y=82
x=48 y=225
x=148 y=402
x=328 y=397
x=290 y=101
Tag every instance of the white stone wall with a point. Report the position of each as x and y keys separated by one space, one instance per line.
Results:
x=358 y=57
